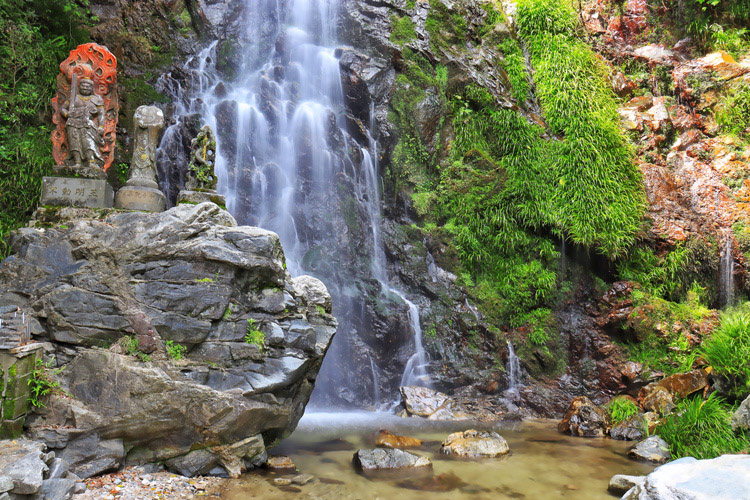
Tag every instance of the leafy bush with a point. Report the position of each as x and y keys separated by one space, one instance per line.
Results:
x=701 y=428
x=255 y=336
x=733 y=115
x=42 y=383
x=728 y=350
x=35 y=35
x=621 y=409
x=130 y=343
x=175 y=351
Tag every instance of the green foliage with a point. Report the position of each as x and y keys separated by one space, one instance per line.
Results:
x=175 y=351
x=255 y=336
x=35 y=35
x=552 y=17
x=659 y=327
x=715 y=24
x=728 y=349
x=621 y=409
x=402 y=30
x=444 y=26
x=656 y=275
x=130 y=343
x=733 y=113
x=701 y=428
x=514 y=64
x=42 y=382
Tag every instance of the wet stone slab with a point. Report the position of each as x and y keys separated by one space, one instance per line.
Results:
x=77 y=192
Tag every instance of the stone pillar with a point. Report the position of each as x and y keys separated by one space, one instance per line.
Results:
x=141 y=192
x=18 y=365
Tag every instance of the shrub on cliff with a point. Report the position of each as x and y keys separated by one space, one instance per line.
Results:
x=728 y=350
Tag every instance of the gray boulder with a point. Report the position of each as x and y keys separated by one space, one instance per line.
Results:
x=722 y=478
x=56 y=489
x=254 y=338
x=652 y=449
x=741 y=417
x=22 y=465
x=631 y=429
x=391 y=458
x=620 y=483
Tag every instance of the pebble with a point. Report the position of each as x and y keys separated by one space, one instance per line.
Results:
x=282 y=481
x=133 y=484
x=303 y=479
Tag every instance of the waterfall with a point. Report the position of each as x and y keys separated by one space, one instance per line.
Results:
x=727 y=271
x=286 y=162
x=513 y=369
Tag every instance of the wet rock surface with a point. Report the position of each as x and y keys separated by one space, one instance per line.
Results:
x=741 y=417
x=387 y=439
x=474 y=443
x=652 y=449
x=108 y=291
x=387 y=459
x=585 y=419
x=621 y=483
x=722 y=478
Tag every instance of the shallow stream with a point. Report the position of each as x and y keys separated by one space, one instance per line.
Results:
x=543 y=464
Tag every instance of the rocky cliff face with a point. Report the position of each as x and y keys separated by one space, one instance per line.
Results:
x=176 y=337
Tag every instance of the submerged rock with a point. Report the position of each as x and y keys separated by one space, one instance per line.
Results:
x=584 y=418
x=253 y=338
x=652 y=449
x=620 y=483
x=381 y=459
x=474 y=443
x=388 y=440
x=722 y=478
x=280 y=462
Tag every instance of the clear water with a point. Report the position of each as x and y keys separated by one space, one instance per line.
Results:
x=543 y=464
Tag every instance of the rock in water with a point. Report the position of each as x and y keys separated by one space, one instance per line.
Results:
x=632 y=429
x=620 y=483
x=741 y=417
x=652 y=449
x=254 y=338
x=473 y=443
x=383 y=459
x=722 y=478
x=386 y=439
x=422 y=401
x=584 y=418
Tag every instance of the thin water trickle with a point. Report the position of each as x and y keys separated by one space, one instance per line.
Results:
x=727 y=271
x=513 y=368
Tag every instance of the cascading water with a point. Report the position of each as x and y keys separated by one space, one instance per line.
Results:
x=513 y=369
x=286 y=162
x=727 y=271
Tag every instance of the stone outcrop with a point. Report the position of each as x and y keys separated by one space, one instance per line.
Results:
x=620 y=483
x=585 y=419
x=632 y=429
x=120 y=299
x=741 y=417
x=27 y=470
x=384 y=459
x=474 y=443
x=722 y=478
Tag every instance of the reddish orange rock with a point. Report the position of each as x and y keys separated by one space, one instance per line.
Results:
x=388 y=440
x=280 y=462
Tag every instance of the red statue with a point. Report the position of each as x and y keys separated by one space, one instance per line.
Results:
x=86 y=110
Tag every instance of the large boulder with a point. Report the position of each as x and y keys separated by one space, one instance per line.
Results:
x=433 y=405
x=585 y=419
x=722 y=478
x=632 y=429
x=741 y=417
x=383 y=459
x=112 y=290
x=474 y=443
x=22 y=466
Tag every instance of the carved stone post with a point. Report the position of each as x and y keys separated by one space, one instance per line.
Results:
x=141 y=192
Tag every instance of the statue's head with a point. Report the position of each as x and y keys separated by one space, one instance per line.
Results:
x=86 y=86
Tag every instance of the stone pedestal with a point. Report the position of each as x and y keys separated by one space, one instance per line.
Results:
x=143 y=198
x=196 y=197
x=76 y=192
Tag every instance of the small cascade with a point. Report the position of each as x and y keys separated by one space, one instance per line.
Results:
x=415 y=371
x=375 y=383
x=513 y=369
x=726 y=267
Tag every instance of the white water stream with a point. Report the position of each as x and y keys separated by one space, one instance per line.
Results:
x=283 y=145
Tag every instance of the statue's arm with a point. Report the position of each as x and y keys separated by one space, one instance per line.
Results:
x=65 y=109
